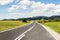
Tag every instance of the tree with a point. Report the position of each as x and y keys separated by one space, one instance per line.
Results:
x=24 y=20
x=57 y=19
x=43 y=21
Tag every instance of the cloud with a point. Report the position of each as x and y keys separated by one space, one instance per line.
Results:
x=57 y=8
x=17 y=15
x=22 y=4
x=12 y=8
x=4 y=2
x=38 y=8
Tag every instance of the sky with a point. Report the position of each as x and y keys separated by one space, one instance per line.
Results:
x=13 y=9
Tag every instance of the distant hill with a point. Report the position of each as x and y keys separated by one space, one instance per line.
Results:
x=53 y=17
x=36 y=18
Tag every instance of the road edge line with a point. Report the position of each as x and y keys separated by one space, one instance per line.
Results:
x=48 y=30
x=15 y=28
x=20 y=37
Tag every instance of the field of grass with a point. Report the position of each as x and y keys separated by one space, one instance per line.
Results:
x=54 y=25
x=5 y=25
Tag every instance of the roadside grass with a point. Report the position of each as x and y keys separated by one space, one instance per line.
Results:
x=5 y=25
x=54 y=25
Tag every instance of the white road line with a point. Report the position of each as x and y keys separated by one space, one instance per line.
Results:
x=12 y=28
x=20 y=37
x=23 y=34
x=54 y=34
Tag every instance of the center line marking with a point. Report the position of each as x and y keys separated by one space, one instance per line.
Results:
x=23 y=34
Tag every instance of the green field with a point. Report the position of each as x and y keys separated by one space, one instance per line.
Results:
x=5 y=25
x=54 y=25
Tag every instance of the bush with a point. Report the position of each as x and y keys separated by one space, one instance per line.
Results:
x=24 y=21
x=39 y=21
x=57 y=19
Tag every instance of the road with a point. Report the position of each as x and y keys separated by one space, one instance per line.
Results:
x=37 y=33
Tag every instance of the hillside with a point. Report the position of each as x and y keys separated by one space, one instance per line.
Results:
x=36 y=18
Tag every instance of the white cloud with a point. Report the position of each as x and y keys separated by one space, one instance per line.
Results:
x=38 y=8
x=14 y=7
x=57 y=8
x=37 y=5
x=22 y=4
x=4 y=2
x=18 y=15
x=11 y=16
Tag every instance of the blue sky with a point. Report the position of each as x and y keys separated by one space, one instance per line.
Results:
x=28 y=8
x=48 y=1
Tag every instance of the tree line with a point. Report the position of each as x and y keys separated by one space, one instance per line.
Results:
x=48 y=19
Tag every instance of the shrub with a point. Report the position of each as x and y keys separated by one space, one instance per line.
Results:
x=24 y=21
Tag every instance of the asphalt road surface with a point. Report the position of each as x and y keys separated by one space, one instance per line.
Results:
x=37 y=33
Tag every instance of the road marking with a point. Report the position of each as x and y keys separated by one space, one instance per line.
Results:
x=51 y=32
x=20 y=37
x=23 y=34
x=12 y=28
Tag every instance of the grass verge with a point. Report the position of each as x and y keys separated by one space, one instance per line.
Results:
x=54 y=25
x=5 y=25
